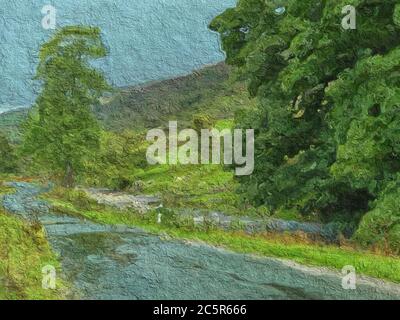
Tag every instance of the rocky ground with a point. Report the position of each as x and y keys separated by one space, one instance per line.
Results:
x=122 y=200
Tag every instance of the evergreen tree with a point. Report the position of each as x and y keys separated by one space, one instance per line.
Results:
x=62 y=132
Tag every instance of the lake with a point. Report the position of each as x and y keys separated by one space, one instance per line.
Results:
x=147 y=39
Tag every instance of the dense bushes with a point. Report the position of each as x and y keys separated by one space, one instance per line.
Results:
x=120 y=158
x=8 y=162
x=381 y=226
x=328 y=126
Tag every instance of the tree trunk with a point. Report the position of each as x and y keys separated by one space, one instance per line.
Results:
x=69 y=178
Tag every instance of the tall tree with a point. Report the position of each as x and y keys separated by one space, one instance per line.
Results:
x=62 y=132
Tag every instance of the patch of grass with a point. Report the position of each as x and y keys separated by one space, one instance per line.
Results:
x=24 y=251
x=208 y=187
x=224 y=124
x=279 y=246
x=294 y=215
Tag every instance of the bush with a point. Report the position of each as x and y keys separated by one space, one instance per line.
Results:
x=203 y=121
x=380 y=227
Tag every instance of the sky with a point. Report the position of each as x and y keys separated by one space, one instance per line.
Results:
x=147 y=39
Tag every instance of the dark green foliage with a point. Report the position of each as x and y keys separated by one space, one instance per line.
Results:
x=120 y=157
x=8 y=158
x=61 y=133
x=327 y=129
x=381 y=226
x=10 y=123
x=202 y=121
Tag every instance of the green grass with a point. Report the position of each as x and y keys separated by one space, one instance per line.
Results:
x=24 y=251
x=384 y=267
x=208 y=187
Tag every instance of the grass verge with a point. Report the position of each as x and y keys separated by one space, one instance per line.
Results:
x=24 y=251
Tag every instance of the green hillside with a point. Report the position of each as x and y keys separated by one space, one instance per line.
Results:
x=154 y=104
x=205 y=98
x=206 y=91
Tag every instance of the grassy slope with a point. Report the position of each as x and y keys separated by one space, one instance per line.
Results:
x=208 y=92
x=207 y=187
x=153 y=105
x=281 y=246
x=24 y=251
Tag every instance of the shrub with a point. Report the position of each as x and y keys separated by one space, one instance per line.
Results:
x=380 y=227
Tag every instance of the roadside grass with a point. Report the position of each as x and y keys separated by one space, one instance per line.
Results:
x=279 y=246
x=24 y=251
x=207 y=187
x=203 y=187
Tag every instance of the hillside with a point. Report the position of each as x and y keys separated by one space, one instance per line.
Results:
x=154 y=104
x=206 y=91
x=206 y=95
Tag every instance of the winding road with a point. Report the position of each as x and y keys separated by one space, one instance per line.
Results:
x=117 y=262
